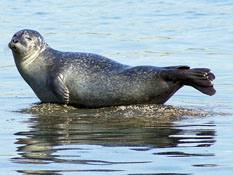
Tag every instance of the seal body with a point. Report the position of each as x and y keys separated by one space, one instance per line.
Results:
x=91 y=80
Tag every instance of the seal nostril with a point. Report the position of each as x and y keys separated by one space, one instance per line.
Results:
x=15 y=41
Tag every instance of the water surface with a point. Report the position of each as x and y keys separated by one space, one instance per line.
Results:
x=191 y=134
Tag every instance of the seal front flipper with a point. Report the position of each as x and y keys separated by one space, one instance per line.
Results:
x=56 y=84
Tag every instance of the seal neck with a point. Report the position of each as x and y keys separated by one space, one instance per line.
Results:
x=30 y=58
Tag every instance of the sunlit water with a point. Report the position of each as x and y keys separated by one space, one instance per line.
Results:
x=192 y=136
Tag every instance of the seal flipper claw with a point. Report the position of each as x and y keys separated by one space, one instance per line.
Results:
x=59 y=88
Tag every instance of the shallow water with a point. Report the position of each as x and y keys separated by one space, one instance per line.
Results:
x=191 y=134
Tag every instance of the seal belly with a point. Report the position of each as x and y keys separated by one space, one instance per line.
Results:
x=100 y=95
x=129 y=86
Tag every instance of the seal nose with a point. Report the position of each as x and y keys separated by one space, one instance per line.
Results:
x=15 y=40
x=12 y=43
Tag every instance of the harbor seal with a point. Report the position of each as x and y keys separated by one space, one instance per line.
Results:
x=91 y=80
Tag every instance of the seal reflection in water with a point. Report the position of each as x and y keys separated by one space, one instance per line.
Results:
x=91 y=80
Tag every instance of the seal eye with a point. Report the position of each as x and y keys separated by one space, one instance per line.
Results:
x=28 y=38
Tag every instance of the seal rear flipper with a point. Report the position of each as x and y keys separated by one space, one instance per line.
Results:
x=206 y=90
x=178 y=67
x=58 y=87
x=199 y=78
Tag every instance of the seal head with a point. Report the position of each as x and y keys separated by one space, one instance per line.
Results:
x=27 y=44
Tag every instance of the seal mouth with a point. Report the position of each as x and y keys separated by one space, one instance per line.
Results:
x=12 y=45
